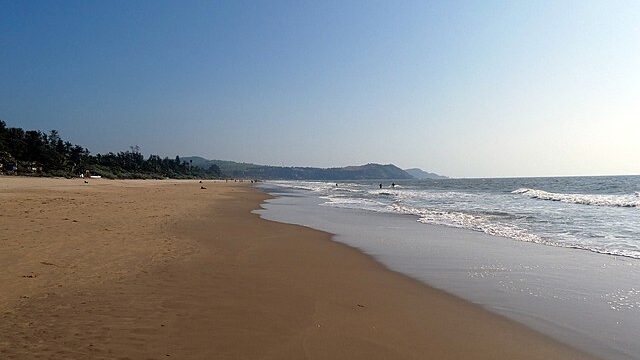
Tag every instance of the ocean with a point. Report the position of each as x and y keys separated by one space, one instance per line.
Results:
x=561 y=255
x=599 y=214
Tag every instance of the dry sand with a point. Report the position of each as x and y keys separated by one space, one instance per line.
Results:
x=157 y=269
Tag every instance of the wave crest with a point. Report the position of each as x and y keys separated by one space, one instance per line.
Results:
x=583 y=199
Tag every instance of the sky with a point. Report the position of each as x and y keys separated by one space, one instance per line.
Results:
x=461 y=88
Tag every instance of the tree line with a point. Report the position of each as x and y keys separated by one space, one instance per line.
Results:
x=34 y=152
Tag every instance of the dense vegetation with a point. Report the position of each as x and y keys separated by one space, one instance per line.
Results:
x=253 y=171
x=37 y=153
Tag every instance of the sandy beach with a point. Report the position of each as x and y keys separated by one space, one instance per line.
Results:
x=157 y=269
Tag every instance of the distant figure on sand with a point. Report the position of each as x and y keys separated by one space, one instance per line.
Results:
x=380 y=186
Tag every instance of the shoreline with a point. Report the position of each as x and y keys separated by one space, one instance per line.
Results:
x=192 y=273
x=583 y=299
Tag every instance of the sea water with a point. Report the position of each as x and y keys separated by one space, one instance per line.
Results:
x=599 y=214
x=558 y=254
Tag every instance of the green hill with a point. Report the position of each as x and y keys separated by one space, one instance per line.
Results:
x=252 y=171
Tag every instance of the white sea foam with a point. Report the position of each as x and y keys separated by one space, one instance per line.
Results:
x=484 y=224
x=315 y=186
x=468 y=221
x=510 y=215
x=353 y=203
x=584 y=199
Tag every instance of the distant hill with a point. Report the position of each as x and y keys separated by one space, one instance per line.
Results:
x=246 y=170
x=421 y=174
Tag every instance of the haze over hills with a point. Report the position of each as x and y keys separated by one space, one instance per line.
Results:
x=247 y=170
x=421 y=174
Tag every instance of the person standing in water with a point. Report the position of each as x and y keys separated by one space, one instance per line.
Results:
x=393 y=185
x=380 y=186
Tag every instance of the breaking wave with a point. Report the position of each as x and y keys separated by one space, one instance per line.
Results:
x=607 y=223
x=583 y=199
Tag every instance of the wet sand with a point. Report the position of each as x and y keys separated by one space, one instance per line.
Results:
x=157 y=269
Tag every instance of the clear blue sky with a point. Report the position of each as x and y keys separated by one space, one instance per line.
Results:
x=479 y=88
